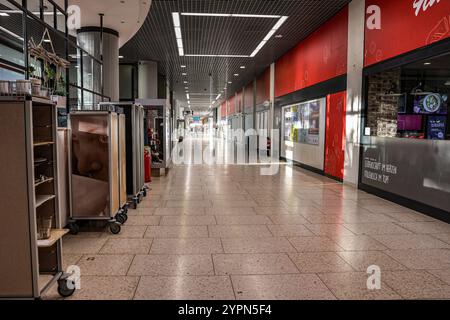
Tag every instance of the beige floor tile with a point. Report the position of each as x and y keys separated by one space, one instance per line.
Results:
x=410 y=216
x=179 y=211
x=280 y=287
x=226 y=264
x=284 y=230
x=290 y=219
x=314 y=243
x=131 y=232
x=319 y=262
x=230 y=211
x=106 y=288
x=188 y=204
x=331 y=230
x=150 y=203
x=143 y=221
x=69 y=259
x=411 y=241
x=358 y=243
x=105 y=265
x=388 y=208
x=230 y=231
x=443 y=237
x=353 y=286
x=426 y=227
x=444 y=275
x=276 y=210
x=78 y=244
x=257 y=245
x=126 y=246
x=187 y=220
x=141 y=212
x=376 y=228
x=234 y=203
x=185 y=288
x=317 y=218
x=242 y=220
x=361 y=260
x=171 y=265
x=422 y=259
x=186 y=246
x=176 y=232
x=417 y=285
x=304 y=210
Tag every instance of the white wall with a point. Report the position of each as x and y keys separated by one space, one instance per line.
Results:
x=148 y=80
x=356 y=26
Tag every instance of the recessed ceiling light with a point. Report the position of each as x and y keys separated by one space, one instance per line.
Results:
x=186 y=88
x=427 y=63
x=4 y=14
x=242 y=67
x=236 y=74
x=230 y=82
x=279 y=36
x=183 y=66
x=120 y=57
x=185 y=82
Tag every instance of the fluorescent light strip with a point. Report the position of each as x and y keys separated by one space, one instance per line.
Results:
x=176 y=19
x=269 y=35
x=187 y=96
x=236 y=15
x=178 y=36
x=11 y=33
x=4 y=14
x=217 y=55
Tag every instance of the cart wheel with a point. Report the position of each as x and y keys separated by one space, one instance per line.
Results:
x=144 y=192
x=120 y=218
x=125 y=210
x=135 y=205
x=63 y=288
x=114 y=228
x=125 y=216
x=74 y=228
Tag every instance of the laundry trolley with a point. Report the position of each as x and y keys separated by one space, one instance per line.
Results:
x=94 y=165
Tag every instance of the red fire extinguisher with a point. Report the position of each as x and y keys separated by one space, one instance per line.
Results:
x=148 y=165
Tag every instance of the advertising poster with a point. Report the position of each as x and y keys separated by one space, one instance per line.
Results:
x=436 y=127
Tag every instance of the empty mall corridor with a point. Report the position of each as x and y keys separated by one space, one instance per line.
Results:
x=227 y=232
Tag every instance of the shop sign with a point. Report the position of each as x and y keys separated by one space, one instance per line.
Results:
x=397 y=27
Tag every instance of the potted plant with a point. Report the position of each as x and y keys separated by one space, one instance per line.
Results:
x=60 y=94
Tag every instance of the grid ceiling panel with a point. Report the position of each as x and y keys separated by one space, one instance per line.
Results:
x=222 y=35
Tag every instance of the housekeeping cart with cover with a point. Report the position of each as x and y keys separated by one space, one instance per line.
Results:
x=134 y=150
x=94 y=167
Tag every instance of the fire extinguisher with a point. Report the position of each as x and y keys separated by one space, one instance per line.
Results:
x=148 y=165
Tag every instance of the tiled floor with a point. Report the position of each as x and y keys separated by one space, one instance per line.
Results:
x=226 y=232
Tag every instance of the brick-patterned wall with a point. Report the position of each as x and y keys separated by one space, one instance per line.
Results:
x=383 y=108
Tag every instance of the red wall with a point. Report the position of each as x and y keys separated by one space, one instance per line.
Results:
x=402 y=31
x=335 y=135
x=223 y=109
x=248 y=95
x=231 y=105
x=320 y=57
x=239 y=101
x=263 y=87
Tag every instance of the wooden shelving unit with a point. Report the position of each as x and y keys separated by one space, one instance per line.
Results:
x=29 y=192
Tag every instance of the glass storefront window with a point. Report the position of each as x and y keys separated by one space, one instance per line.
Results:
x=410 y=101
x=11 y=34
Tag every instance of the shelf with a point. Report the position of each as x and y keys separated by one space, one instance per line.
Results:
x=55 y=235
x=36 y=184
x=42 y=101
x=43 y=143
x=41 y=199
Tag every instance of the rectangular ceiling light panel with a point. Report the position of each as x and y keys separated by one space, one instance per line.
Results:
x=178 y=36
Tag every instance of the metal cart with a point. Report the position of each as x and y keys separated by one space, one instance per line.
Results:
x=29 y=194
x=134 y=149
x=94 y=168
